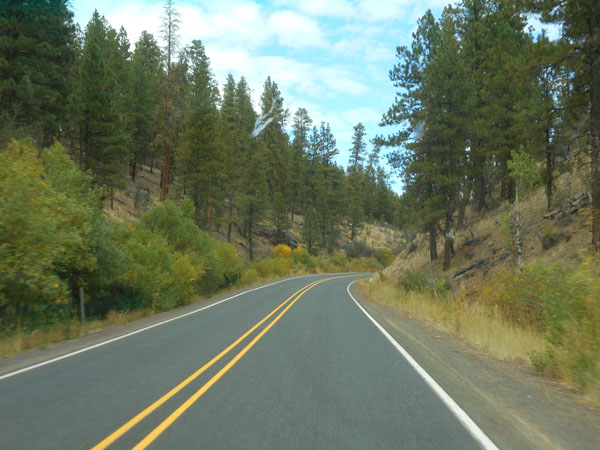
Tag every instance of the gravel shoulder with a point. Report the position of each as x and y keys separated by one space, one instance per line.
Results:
x=513 y=405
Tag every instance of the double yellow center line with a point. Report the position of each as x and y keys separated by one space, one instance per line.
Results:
x=190 y=401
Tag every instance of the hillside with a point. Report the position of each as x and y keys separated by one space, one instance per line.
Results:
x=482 y=247
x=138 y=196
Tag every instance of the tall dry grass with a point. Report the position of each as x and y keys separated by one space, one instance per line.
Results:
x=477 y=325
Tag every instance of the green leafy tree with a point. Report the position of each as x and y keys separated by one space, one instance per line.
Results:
x=524 y=171
x=49 y=220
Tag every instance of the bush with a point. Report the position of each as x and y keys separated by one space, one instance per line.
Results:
x=564 y=304
x=281 y=251
x=158 y=276
x=384 y=256
x=358 y=249
x=219 y=260
x=49 y=216
x=423 y=283
x=302 y=257
x=273 y=267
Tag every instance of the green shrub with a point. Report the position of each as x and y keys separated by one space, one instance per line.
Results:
x=563 y=303
x=49 y=216
x=384 y=256
x=273 y=267
x=302 y=257
x=158 y=275
x=422 y=282
x=219 y=260
x=358 y=249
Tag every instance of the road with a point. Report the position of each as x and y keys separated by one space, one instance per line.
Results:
x=315 y=373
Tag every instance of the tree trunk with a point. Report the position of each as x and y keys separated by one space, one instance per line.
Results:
x=230 y=226
x=480 y=189
x=463 y=206
x=519 y=241
x=112 y=197
x=432 y=242
x=133 y=169
x=250 y=255
x=448 y=242
x=549 y=170
x=165 y=174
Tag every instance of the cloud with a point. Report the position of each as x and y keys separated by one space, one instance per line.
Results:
x=295 y=30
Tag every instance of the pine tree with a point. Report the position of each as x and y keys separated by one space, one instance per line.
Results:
x=298 y=166
x=275 y=139
x=359 y=147
x=311 y=231
x=102 y=135
x=169 y=32
x=145 y=78
x=580 y=22
x=37 y=52
x=203 y=153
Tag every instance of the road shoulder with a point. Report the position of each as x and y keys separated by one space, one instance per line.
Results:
x=514 y=406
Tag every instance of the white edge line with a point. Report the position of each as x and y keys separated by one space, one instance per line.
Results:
x=100 y=344
x=462 y=416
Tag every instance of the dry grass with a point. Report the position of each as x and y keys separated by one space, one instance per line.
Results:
x=474 y=323
x=20 y=341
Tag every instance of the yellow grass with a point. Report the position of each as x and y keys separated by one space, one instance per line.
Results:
x=20 y=341
x=477 y=325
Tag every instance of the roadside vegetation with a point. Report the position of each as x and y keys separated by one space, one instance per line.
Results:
x=548 y=315
x=54 y=239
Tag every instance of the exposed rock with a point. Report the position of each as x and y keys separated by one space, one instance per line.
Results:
x=413 y=246
x=549 y=240
x=286 y=237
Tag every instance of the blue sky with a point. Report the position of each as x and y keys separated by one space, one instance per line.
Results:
x=331 y=57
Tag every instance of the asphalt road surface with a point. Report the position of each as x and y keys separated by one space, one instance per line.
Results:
x=296 y=364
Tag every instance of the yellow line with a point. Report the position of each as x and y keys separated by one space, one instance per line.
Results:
x=138 y=418
x=190 y=401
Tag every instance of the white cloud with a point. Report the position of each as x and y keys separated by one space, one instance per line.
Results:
x=322 y=8
x=295 y=30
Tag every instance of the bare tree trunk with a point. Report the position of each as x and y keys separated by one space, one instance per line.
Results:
x=448 y=242
x=432 y=242
x=230 y=226
x=112 y=197
x=133 y=169
x=549 y=170
x=519 y=241
x=165 y=174
x=251 y=256
x=462 y=208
